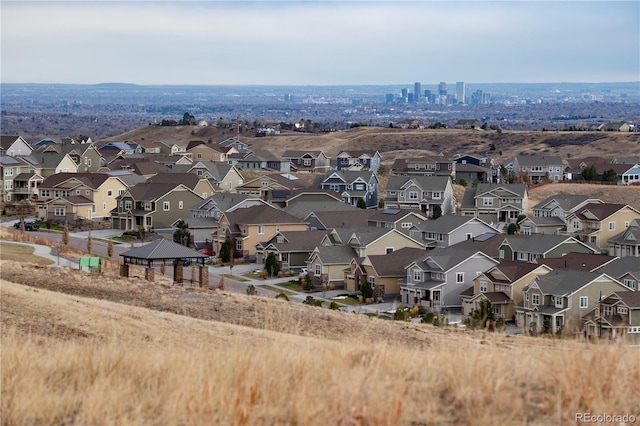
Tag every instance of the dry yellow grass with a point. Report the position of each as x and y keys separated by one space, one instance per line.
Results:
x=21 y=253
x=72 y=359
x=618 y=194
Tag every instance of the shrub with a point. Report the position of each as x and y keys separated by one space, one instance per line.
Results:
x=312 y=301
x=463 y=182
x=282 y=295
x=251 y=290
x=427 y=318
x=401 y=313
x=334 y=306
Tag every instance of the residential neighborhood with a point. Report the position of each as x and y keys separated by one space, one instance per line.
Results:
x=566 y=265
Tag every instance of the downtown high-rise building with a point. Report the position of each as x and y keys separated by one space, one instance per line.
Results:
x=460 y=92
x=417 y=92
x=442 y=89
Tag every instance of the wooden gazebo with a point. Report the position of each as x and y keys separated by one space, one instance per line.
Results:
x=161 y=252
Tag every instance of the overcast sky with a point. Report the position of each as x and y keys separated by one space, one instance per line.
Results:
x=319 y=43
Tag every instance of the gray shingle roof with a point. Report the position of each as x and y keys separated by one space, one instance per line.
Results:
x=537 y=243
x=331 y=255
x=564 y=281
x=622 y=266
x=394 y=263
x=163 y=249
x=445 y=258
x=426 y=183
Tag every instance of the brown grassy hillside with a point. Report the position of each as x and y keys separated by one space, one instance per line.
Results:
x=399 y=143
x=69 y=358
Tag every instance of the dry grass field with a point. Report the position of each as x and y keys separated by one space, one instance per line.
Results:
x=403 y=143
x=93 y=349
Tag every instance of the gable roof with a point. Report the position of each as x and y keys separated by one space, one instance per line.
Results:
x=631 y=235
x=426 y=183
x=564 y=281
x=163 y=249
x=190 y=180
x=394 y=263
x=538 y=160
x=622 y=266
x=446 y=258
x=565 y=201
x=448 y=223
x=91 y=180
x=512 y=269
x=148 y=191
x=304 y=241
x=577 y=261
x=540 y=243
x=629 y=298
x=348 y=218
x=593 y=211
x=331 y=255
x=260 y=215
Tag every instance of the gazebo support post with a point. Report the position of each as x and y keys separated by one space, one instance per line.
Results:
x=178 y=273
x=204 y=277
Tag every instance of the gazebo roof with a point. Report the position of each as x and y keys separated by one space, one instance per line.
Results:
x=163 y=249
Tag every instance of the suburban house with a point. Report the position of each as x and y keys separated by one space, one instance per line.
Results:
x=628 y=174
x=424 y=166
x=259 y=160
x=353 y=186
x=66 y=197
x=153 y=206
x=502 y=285
x=575 y=166
x=224 y=177
x=198 y=184
x=616 y=317
x=538 y=168
x=422 y=193
x=25 y=186
x=307 y=161
x=495 y=204
x=530 y=248
x=549 y=215
x=85 y=156
x=556 y=302
x=437 y=279
x=234 y=143
x=396 y=218
x=626 y=243
x=51 y=163
x=327 y=264
x=14 y=146
x=313 y=199
x=353 y=160
x=214 y=206
x=277 y=186
x=291 y=248
x=626 y=270
x=468 y=123
x=617 y=126
x=171 y=147
x=448 y=230
x=383 y=271
x=338 y=218
x=596 y=223
x=20 y=178
x=246 y=227
x=471 y=173
x=201 y=151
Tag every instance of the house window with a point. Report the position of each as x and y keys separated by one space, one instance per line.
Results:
x=526 y=297
x=413 y=195
x=280 y=239
x=93 y=208
x=469 y=236
x=526 y=230
x=576 y=224
x=417 y=167
x=417 y=275
x=44 y=192
x=120 y=192
x=104 y=206
x=260 y=229
x=487 y=201
x=483 y=286
x=388 y=250
x=459 y=277
x=166 y=206
x=612 y=226
x=77 y=192
x=318 y=270
x=147 y=205
x=607 y=310
x=180 y=205
x=501 y=254
x=630 y=283
x=535 y=299
x=307 y=162
x=626 y=224
x=198 y=156
x=109 y=193
x=128 y=205
x=584 y=301
x=238 y=244
x=372 y=281
x=622 y=310
x=199 y=172
x=437 y=195
x=403 y=225
x=558 y=301
x=277 y=228
x=59 y=211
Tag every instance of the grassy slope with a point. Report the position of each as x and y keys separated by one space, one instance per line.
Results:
x=188 y=358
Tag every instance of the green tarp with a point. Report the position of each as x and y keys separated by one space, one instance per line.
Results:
x=93 y=263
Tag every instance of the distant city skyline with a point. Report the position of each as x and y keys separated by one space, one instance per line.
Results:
x=319 y=43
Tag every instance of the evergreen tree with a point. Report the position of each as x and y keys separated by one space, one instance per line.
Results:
x=361 y=203
x=271 y=264
x=182 y=235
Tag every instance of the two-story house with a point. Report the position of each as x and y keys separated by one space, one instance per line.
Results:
x=616 y=317
x=384 y=272
x=495 y=203
x=86 y=156
x=437 y=280
x=626 y=243
x=154 y=206
x=14 y=146
x=624 y=269
x=66 y=197
x=396 y=218
x=198 y=184
x=246 y=227
x=530 y=248
x=291 y=248
x=502 y=285
x=353 y=186
x=224 y=177
x=276 y=186
x=201 y=151
x=557 y=301
x=549 y=215
x=355 y=160
x=596 y=223
x=424 y=166
x=420 y=192
x=307 y=161
x=449 y=229
x=538 y=168
x=234 y=143
x=171 y=147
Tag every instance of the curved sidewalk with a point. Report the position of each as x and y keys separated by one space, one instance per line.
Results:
x=46 y=252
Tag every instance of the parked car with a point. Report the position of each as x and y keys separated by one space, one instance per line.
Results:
x=28 y=226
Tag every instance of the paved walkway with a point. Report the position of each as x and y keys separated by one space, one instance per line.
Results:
x=48 y=253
